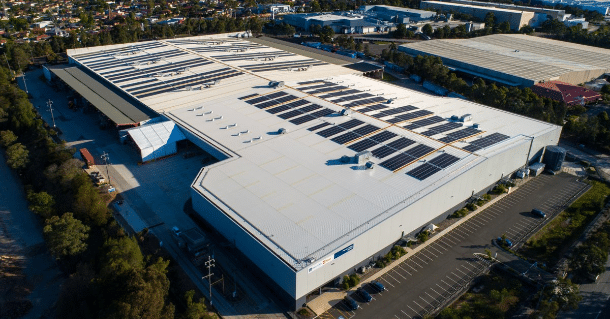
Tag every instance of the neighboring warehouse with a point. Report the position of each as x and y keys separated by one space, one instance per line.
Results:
x=345 y=23
x=516 y=59
x=397 y=14
x=601 y=6
x=565 y=92
x=320 y=169
x=516 y=18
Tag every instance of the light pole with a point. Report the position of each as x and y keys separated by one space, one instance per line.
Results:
x=106 y=157
x=23 y=76
x=50 y=106
x=209 y=264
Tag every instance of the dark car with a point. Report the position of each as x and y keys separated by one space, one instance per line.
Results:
x=377 y=286
x=506 y=242
x=365 y=295
x=351 y=303
x=538 y=213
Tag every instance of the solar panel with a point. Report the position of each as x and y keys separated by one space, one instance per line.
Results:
x=278 y=109
x=344 y=138
x=394 y=120
x=322 y=112
x=302 y=119
x=441 y=128
x=290 y=114
x=397 y=161
x=458 y=135
x=257 y=100
x=383 y=136
x=383 y=151
x=423 y=122
x=276 y=94
x=297 y=103
x=319 y=126
x=366 y=129
x=401 y=143
x=309 y=108
x=443 y=160
x=288 y=97
x=471 y=148
x=413 y=115
x=362 y=145
x=485 y=142
x=424 y=171
x=331 y=131
x=419 y=150
x=351 y=124
x=374 y=107
x=248 y=96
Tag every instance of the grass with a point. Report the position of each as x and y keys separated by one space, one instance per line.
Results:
x=549 y=244
x=495 y=297
x=389 y=77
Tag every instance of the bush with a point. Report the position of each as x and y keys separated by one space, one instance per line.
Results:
x=460 y=213
x=487 y=197
x=350 y=281
x=471 y=207
x=380 y=263
x=499 y=189
x=423 y=236
x=304 y=312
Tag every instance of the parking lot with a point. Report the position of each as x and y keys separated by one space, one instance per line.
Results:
x=444 y=268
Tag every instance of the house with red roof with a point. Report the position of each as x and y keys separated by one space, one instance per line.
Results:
x=565 y=92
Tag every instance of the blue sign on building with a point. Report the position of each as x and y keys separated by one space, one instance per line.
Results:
x=343 y=251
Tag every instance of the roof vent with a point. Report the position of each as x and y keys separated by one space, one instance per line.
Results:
x=282 y=131
x=276 y=84
x=466 y=118
x=345 y=159
x=369 y=165
x=454 y=117
x=391 y=101
x=475 y=125
x=346 y=112
x=362 y=156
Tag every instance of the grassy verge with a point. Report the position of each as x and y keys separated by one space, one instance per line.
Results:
x=389 y=77
x=549 y=244
x=495 y=297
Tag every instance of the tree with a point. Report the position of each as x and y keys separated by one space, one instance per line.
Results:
x=194 y=310
x=428 y=30
x=41 y=203
x=65 y=235
x=17 y=156
x=401 y=31
x=504 y=27
x=89 y=205
x=7 y=138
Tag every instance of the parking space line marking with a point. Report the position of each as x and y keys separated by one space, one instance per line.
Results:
x=484 y=218
x=394 y=270
x=453 y=279
x=445 y=237
x=387 y=282
x=435 y=291
x=438 y=251
x=431 y=253
x=388 y=273
x=416 y=312
x=429 y=295
x=439 y=243
x=419 y=305
x=412 y=266
x=429 y=304
x=454 y=233
x=397 y=316
x=420 y=259
x=445 y=289
x=405 y=314
x=404 y=270
x=448 y=285
x=458 y=269
x=476 y=222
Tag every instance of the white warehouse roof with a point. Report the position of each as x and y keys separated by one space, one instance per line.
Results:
x=292 y=190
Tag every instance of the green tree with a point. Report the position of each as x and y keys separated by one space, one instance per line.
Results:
x=90 y=206
x=401 y=31
x=7 y=138
x=17 y=156
x=65 y=235
x=428 y=30
x=504 y=27
x=194 y=310
x=41 y=203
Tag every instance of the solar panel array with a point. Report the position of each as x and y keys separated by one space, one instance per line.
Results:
x=459 y=135
x=423 y=122
x=273 y=66
x=402 y=159
x=486 y=141
x=433 y=166
x=441 y=128
x=287 y=106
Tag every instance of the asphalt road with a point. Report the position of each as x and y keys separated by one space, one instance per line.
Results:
x=423 y=282
x=595 y=302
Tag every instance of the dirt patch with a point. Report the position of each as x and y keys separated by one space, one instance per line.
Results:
x=14 y=286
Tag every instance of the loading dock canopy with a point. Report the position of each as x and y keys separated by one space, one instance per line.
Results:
x=118 y=109
x=156 y=140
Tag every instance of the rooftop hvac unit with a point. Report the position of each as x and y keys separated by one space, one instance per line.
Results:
x=276 y=84
x=282 y=131
x=454 y=117
x=391 y=101
x=346 y=112
x=475 y=125
x=466 y=118
x=362 y=156
x=345 y=159
x=369 y=165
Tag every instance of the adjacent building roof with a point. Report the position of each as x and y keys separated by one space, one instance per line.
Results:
x=156 y=135
x=565 y=92
x=320 y=158
x=107 y=99
x=517 y=59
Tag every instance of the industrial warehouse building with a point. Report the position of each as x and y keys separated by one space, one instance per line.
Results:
x=320 y=168
x=517 y=59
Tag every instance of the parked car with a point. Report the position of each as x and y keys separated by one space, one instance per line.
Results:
x=365 y=295
x=351 y=303
x=506 y=242
x=538 y=213
x=176 y=231
x=377 y=286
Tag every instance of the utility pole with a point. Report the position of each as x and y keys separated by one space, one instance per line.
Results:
x=106 y=157
x=8 y=64
x=23 y=76
x=50 y=106
x=209 y=264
